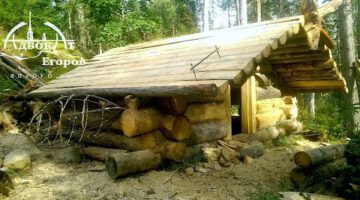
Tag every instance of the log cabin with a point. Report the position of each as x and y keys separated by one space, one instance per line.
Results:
x=258 y=67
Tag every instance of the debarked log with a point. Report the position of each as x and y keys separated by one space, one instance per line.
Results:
x=269 y=118
x=205 y=112
x=136 y=122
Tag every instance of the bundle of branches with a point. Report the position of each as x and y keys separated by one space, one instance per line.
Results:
x=318 y=164
x=69 y=118
x=23 y=76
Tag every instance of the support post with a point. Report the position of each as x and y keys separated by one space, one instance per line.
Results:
x=248 y=106
x=227 y=103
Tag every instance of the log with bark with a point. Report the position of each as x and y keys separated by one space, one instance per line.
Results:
x=136 y=122
x=176 y=127
x=100 y=153
x=118 y=140
x=308 y=176
x=319 y=155
x=154 y=140
x=205 y=112
x=118 y=165
x=207 y=131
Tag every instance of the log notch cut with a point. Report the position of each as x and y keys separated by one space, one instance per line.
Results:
x=176 y=127
x=320 y=155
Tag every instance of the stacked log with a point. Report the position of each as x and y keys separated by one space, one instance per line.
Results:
x=317 y=164
x=208 y=122
x=275 y=115
x=149 y=131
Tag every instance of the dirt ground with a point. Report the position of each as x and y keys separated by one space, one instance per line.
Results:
x=89 y=180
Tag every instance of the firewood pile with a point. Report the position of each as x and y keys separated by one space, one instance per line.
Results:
x=317 y=165
x=275 y=115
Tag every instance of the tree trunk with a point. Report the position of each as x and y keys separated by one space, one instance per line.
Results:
x=258 y=10
x=237 y=9
x=348 y=56
x=118 y=165
x=229 y=17
x=318 y=156
x=308 y=176
x=281 y=9
x=243 y=18
x=205 y=17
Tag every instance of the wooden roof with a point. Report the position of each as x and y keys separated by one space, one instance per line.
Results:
x=163 y=67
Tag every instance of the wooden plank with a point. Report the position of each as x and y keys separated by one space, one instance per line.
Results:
x=162 y=89
x=117 y=79
x=316 y=84
x=211 y=63
x=248 y=106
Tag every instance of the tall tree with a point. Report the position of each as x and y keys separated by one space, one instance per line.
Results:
x=244 y=12
x=205 y=16
x=348 y=56
x=258 y=10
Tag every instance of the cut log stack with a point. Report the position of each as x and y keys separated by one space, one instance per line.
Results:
x=275 y=115
x=318 y=164
x=149 y=133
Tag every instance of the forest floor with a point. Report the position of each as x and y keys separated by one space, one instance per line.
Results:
x=89 y=180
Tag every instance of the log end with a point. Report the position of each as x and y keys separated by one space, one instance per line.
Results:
x=111 y=167
x=302 y=159
x=128 y=123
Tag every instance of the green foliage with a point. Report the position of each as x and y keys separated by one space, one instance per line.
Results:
x=328 y=119
x=130 y=30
